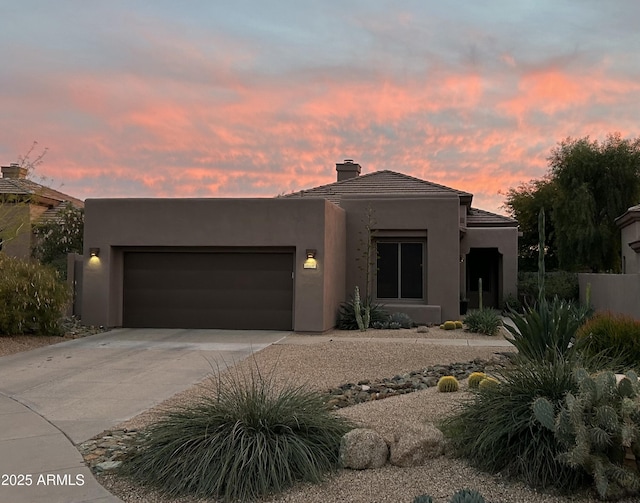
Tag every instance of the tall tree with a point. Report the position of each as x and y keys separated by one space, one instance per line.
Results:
x=524 y=204
x=595 y=183
x=588 y=186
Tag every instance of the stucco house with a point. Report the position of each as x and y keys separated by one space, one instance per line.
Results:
x=288 y=262
x=23 y=203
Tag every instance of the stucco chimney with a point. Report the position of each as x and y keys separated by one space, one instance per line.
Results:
x=15 y=171
x=347 y=169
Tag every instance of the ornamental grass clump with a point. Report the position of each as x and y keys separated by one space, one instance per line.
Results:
x=483 y=321
x=615 y=338
x=243 y=439
x=496 y=430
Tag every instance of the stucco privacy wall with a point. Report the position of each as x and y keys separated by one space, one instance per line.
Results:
x=115 y=225
x=505 y=239
x=618 y=293
x=630 y=258
x=435 y=217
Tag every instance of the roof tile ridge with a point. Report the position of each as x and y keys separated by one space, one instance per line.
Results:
x=341 y=182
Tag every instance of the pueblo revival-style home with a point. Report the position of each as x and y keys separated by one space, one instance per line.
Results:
x=287 y=263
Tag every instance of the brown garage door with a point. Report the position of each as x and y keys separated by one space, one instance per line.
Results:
x=234 y=290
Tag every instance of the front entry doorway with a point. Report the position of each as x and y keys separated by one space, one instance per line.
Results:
x=485 y=263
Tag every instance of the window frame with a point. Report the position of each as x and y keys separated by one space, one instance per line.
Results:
x=399 y=241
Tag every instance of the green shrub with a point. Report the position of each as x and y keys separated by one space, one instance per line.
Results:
x=423 y=498
x=347 y=314
x=243 y=440
x=483 y=321
x=595 y=426
x=467 y=496
x=32 y=298
x=403 y=319
x=496 y=431
x=562 y=284
x=546 y=330
x=512 y=303
x=448 y=384
x=613 y=337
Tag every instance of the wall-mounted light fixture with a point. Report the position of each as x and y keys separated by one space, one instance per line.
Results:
x=94 y=252
x=310 y=262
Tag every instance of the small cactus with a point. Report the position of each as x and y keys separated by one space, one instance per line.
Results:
x=448 y=384
x=467 y=496
x=449 y=325
x=442 y=327
x=458 y=324
x=423 y=498
x=475 y=378
x=488 y=382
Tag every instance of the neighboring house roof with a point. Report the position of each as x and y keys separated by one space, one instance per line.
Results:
x=379 y=182
x=391 y=182
x=482 y=218
x=40 y=194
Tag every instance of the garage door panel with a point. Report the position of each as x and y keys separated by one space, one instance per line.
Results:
x=208 y=290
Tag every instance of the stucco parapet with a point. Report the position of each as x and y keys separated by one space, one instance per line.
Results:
x=630 y=216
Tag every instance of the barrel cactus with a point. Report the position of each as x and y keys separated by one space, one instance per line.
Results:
x=475 y=378
x=467 y=496
x=458 y=324
x=449 y=325
x=487 y=382
x=448 y=384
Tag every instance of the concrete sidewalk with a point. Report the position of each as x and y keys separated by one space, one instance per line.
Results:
x=55 y=397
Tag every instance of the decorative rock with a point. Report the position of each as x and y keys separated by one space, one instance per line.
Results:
x=363 y=448
x=416 y=445
x=422 y=329
x=108 y=465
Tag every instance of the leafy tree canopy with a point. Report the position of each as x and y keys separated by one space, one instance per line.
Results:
x=588 y=186
x=59 y=236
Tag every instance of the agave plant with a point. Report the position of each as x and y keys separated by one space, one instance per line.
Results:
x=545 y=331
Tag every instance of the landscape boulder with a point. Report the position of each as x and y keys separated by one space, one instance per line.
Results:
x=363 y=448
x=415 y=445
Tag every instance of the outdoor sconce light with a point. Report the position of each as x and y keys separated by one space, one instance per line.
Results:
x=94 y=252
x=310 y=262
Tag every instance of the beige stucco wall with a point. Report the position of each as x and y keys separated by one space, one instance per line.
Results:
x=618 y=293
x=505 y=239
x=630 y=258
x=114 y=225
x=435 y=216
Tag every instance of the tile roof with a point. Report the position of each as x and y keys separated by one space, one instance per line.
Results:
x=21 y=186
x=379 y=182
x=482 y=218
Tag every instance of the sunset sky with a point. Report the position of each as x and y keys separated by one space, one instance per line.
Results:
x=258 y=98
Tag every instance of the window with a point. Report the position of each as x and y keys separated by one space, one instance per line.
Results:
x=399 y=270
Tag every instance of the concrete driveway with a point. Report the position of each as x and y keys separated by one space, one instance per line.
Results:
x=79 y=388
